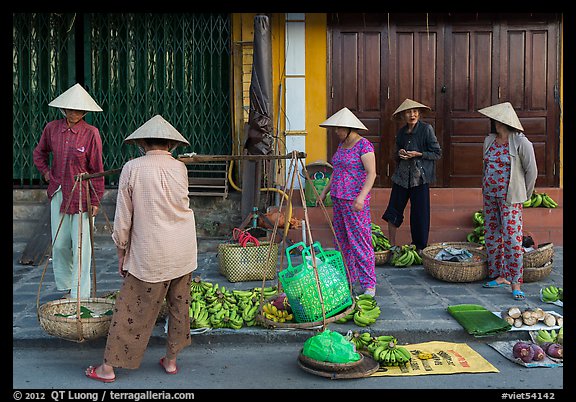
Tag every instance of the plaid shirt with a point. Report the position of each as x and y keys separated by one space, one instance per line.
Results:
x=75 y=150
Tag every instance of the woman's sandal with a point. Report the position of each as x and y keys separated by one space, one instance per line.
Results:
x=518 y=295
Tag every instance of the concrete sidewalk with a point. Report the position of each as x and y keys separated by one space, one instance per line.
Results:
x=413 y=303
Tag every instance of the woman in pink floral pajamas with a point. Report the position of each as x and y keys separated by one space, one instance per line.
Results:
x=353 y=175
x=509 y=177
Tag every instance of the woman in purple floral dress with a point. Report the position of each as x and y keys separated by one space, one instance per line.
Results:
x=353 y=175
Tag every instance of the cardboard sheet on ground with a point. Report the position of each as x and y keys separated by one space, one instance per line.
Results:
x=448 y=358
x=505 y=349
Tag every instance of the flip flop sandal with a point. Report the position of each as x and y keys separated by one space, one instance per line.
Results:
x=91 y=373
x=518 y=295
x=494 y=284
x=164 y=367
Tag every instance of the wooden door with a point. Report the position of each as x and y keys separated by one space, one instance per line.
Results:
x=456 y=64
x=471 y=79
x=529 y=80
x=492 y=61
x=415 y=71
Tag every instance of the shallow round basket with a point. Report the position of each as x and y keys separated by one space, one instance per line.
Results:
x=539 y=256
x=328 y=366
x=535 y=274
x=449 y=271
x=75 y=328
x=381 y=257
x=367 y=367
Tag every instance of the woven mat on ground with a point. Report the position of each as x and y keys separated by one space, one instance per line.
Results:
x=448 y=358
x=477 y=320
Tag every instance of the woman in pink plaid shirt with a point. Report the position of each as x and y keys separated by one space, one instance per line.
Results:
x=76 y=148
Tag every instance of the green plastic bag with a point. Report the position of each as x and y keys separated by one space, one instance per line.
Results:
x=319 y=181
x=330 y=346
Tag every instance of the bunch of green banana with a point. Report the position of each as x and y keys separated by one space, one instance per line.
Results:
x=347 y=317
x=360 y=340
x=268 y=291
x=544 y=336
x=542 y=200
x=382 y=340
x=249 y=313
x=379 y=240
x=478 y=218
x=199 y=315
x=560 y=336
x=477 y=234
x=391 y=354
x=405 y=256
x=232 y=319
x=366 y=311
x=551 y=294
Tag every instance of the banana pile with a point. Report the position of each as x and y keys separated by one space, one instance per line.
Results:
x=477 y=234
x=214 y=306
x=545 y=336
x=541 y=200
x=384 y=348
x=552 y=294
x=379 y=241
x=275 y=314
x=366 y=312
x=405 y=256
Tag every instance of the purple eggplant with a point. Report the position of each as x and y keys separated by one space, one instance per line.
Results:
x=556 y=351
x=523 y=350
x=539 y=353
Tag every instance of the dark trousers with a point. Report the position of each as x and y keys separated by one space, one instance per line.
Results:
x=419 y=197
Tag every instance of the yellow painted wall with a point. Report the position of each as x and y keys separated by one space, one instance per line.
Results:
x=316 y=79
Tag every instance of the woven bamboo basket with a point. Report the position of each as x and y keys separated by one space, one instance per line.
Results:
x=75 y=328
x=535 y=274
x=248 y=263
x=539 y=256
x=450 y=271
x=381 y=257
x=367 y=367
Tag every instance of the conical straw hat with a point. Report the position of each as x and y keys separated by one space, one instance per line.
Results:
x=504 y=113
x=157 y=127
x=76 y=98
x=406 y=105
x=344 y=118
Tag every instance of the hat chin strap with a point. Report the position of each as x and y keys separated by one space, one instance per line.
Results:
x=347 y=135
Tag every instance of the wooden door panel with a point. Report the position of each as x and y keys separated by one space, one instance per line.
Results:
x=469 y=62
x=528 y=80
x=357 y=83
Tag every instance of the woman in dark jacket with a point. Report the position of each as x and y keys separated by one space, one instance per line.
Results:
x=417 y=151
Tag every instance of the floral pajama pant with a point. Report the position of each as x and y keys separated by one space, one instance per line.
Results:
x=135 y=312
x=503 y=239
x=354 y=234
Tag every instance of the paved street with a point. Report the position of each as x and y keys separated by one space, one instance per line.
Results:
x=266 y=365
x=413 y=309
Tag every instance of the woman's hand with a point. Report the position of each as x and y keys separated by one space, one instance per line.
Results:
x=359 y=203
x=121 y=254
x=413 y=154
